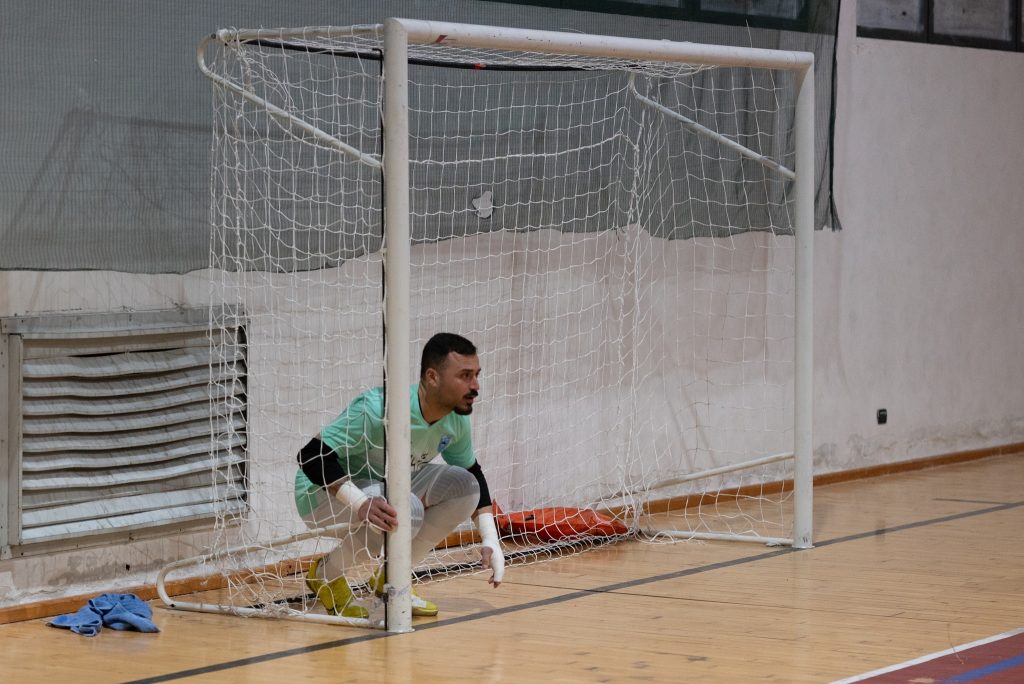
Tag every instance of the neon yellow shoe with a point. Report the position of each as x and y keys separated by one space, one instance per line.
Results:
x=420 y=606
x=336 y=595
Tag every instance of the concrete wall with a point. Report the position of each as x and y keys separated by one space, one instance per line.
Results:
x=918 y=300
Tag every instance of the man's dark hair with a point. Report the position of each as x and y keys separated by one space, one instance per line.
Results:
x=438 y=347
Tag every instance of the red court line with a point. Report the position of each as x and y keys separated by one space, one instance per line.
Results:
x=994 y=660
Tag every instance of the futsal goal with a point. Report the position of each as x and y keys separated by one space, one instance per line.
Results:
x=622 y=226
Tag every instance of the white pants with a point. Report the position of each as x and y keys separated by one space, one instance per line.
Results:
x=442 y=497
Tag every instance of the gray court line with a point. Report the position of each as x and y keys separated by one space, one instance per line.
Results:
x=571 y=596
x=982 y=502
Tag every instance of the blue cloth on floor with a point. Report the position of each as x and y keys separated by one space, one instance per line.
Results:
x=117 y=611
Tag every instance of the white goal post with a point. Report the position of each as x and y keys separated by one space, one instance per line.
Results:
x=613 y=157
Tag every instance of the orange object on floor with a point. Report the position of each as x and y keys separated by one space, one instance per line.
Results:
x=552 y=524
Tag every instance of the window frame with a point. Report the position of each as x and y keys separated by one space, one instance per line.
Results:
x=929 y=35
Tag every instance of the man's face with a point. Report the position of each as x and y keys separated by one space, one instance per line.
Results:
x=456 y=384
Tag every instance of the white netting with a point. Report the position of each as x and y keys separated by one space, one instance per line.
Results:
x=627 y=277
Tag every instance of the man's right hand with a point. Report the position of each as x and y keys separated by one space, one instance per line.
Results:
x=377 y=512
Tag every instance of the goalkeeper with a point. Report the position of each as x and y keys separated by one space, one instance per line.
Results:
x=341 y=473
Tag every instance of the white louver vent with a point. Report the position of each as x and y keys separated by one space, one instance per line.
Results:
x=110 y=423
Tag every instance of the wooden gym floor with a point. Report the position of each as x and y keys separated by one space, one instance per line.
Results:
x=904 y=565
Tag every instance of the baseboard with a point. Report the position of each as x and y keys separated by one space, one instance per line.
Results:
x=917 y=464
x=190 y=585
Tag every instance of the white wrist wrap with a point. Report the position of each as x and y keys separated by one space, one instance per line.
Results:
x=489 y=538
x=351 y=496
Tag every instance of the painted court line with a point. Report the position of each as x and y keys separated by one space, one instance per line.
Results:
x=962 y=677
x=993 y=669
x=571 y=596
x=981 y=502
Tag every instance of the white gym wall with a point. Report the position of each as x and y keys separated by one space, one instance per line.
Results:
x=918 y=300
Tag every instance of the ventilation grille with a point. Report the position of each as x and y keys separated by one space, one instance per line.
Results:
x=115 y=430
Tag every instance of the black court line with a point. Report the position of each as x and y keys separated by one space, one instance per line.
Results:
x=571 y=596
x=981 y=502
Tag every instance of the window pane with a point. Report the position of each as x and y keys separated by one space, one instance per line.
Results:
x=894 y=15
x=783 y=9
x=974 y=19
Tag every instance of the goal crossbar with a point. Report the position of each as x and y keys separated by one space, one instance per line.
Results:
x=541 y=41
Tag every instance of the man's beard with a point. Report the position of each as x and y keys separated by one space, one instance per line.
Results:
x=469 y=409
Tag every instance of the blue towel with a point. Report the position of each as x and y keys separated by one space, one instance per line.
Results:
x=117 y=611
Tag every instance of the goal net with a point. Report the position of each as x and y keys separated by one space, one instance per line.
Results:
x=616 y=233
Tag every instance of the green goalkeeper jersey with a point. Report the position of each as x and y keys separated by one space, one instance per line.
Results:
x=357 y=439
